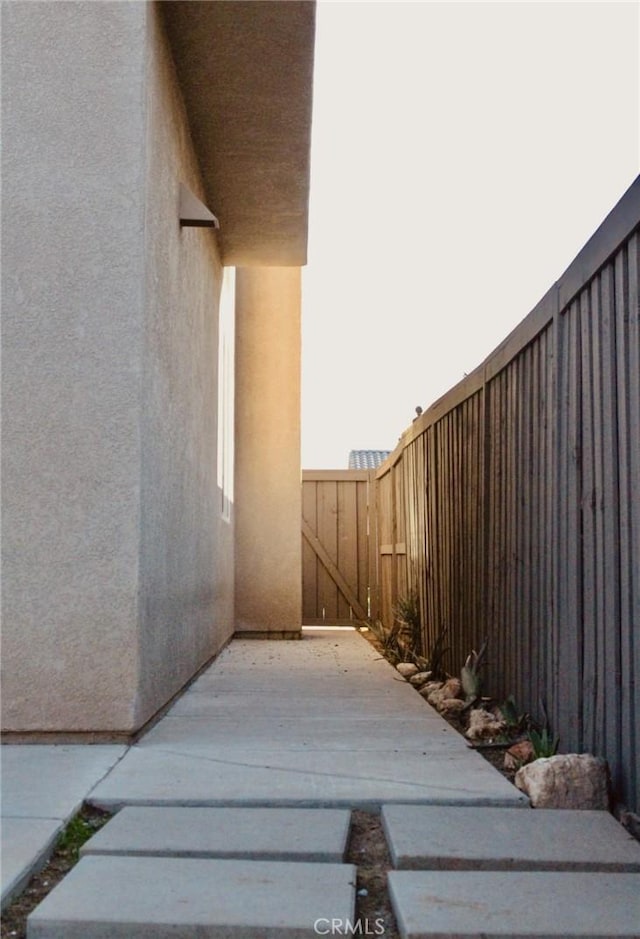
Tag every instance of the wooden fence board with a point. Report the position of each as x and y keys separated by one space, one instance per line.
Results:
x=310 y=604
x=610 y=654
x=588 y=421
x=627 y=274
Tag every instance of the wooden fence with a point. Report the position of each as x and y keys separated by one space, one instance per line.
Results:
x=339 y=579
x=512 y=507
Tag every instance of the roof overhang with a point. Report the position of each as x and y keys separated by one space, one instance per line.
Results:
x=245 y=68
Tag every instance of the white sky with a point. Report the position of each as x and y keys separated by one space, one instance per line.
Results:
x=462 y=155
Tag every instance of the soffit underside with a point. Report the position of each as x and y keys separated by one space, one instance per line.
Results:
x=246 y=74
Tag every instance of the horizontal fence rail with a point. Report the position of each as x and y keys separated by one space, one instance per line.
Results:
x=512 y=508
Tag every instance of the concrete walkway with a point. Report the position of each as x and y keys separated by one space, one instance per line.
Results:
x=234 y=814
x=43 y=786
x=321 y=722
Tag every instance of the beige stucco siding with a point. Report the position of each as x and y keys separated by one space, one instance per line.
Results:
x=186 y=584
x=73 y=262
x=267 y=479
x=117 y=568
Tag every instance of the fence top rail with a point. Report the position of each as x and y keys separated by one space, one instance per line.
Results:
x=329 y=475
x=616 y=228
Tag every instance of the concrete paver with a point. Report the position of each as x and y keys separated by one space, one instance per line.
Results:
x=460 y=838
x=321 y=722
x=26 y=845
x=43 y=785
x=356 y=779
x=51 y=780
x=541 y=904
x=258 y=834
x=158 y=898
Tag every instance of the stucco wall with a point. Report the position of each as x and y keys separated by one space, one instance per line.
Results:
x=186 y=585
x=72 y=275
x=268 y=476
x=117 y=570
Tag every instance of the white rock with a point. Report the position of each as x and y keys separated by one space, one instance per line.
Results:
x=429 y=687
x=483 y=725
x=450 y=689
x=420 y=678
x=566 y=781
x=453 y=687
x=407 y=669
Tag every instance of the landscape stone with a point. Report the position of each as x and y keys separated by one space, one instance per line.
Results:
x=566 y=781
x=519 y=755
x=420 y=678
x=483 y=725
x=449 y=690
x=407 y=669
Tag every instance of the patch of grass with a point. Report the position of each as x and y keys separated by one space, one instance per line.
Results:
x=79 y=830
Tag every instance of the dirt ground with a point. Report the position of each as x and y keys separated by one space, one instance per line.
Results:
x=369 y=852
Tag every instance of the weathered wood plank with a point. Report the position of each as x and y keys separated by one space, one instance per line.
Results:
x=627 y=274
x=347 y=542
x=599 y=486
x=588 y=512
x=335 y=475
x=373 y=557
x=310 y=610
x=610 y=637
x=568 y=689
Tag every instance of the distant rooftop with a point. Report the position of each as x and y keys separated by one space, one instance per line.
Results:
x=367 y=459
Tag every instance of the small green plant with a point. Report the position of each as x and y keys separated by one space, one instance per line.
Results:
x=78 y=830
x=543 y=743
x=407 y=615
x=509 y=712
x=515 y=721
x=388 y=639
x=470 y=675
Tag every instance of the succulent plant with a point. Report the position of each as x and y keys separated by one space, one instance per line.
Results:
x=470 y=674
x=543 y=743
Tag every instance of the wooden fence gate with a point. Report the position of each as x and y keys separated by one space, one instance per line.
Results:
x=339 y=556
